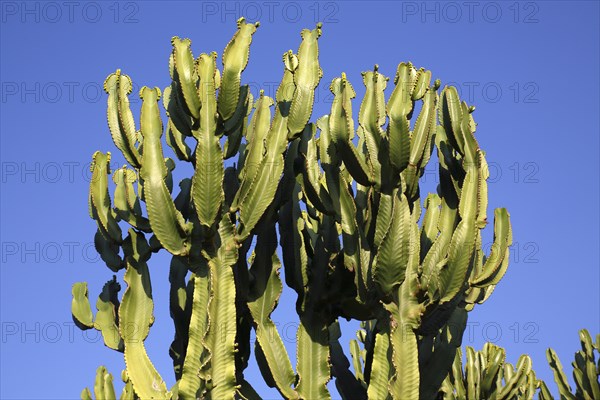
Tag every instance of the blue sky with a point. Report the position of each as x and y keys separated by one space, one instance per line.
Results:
x=531 y=68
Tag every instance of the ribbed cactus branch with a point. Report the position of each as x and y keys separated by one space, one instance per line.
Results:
x=127 y=204
x=185 y=75
x=80 y=306
x=166 y=221
x=107 y=316
x=339 y=196
x=235 y=59
x=207 y=189
x=220 y=337
x=99 y=198
x=312 y=342
x=191 y=384
x=307 y=74
x=120 y=117
x=262 y=299
x=135 y=318
x=178 y=127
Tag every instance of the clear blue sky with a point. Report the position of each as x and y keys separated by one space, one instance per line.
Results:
x=531 y=68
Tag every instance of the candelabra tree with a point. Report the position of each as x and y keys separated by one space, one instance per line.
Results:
x=340 y=197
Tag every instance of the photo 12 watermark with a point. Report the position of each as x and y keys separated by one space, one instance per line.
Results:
x=68 y=332
x=327 y=12
x=40 y=252
x=68 y=92
x=494 y=92
x=71 y=92
x=49 y=172
x=514 y=172
x=454 y=12
x=493 y=332
x=69 y=12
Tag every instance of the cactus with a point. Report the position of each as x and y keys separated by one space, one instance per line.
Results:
x=487 y=375
x=341 y=200
x=586 y=371
x=104 y=388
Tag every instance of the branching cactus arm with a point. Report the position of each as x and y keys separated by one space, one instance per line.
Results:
x=120 y=117
x=135 y=318
x=166 y=221
x=235 y=59
x=306 y=79
x=207 y=183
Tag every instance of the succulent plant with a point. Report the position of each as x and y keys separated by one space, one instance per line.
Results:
x=341 y=199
